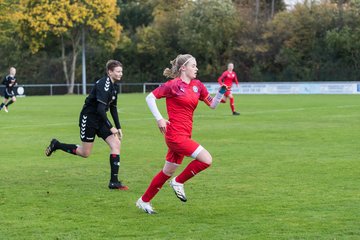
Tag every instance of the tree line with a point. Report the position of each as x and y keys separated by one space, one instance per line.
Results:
x=314 y=41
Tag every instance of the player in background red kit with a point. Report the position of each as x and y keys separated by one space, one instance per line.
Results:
x=182 y=94
x=227 y=78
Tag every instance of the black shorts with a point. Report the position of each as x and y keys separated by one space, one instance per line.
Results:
x=8 y=93
x=91 y=126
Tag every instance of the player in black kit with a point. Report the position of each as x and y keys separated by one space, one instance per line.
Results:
x=93 y=121
x=9 y=81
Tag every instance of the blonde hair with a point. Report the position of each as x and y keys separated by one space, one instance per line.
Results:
x=12 y=71
x=176 y=64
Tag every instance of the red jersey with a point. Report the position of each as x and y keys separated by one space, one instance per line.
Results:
x=228 y=78
x=181 y=102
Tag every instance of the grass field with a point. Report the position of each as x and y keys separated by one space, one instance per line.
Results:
x=287 y=168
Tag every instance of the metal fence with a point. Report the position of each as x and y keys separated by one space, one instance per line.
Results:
x=244 y=88
x=61 y=89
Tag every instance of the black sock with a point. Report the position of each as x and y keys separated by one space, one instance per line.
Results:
x=2 y=105
x=10 y=102
x=69 y=148
x=114 y=165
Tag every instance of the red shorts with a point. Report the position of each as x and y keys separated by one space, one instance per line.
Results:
x=227 y=93
x=181 y=147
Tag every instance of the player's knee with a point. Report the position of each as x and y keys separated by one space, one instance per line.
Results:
x=83 y=152
x=169 y=168
x=205 y=157
x=117 y=143
x=86 y=154
x=115 y=146
x=14 y=99
x=208 y=160
x=169 y=172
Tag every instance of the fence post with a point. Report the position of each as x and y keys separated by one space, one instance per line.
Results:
x=51 y=89
x=144 y=88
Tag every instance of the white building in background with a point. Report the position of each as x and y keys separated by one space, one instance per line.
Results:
x=291 y=3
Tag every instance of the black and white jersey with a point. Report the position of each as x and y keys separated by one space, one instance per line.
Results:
x=9 y=82
x=104 y=93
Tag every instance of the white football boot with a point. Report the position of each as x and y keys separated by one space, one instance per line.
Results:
x=145 y=206
x=178 y=189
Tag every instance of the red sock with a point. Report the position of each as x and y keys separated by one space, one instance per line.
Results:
x=223 y=101
x=191 y=170
x=155 y=186
x=232 y=104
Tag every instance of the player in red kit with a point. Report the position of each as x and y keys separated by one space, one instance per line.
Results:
x=227 y=78
x=182 y=94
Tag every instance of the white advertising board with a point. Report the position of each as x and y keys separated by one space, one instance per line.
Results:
x=291 y=88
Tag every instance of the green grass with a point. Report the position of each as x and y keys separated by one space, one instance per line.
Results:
x=287 y=168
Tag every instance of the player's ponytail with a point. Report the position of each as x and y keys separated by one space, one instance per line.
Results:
x=176 y=64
